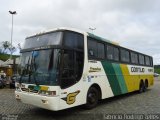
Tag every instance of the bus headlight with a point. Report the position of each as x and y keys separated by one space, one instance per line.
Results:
x=47 y=93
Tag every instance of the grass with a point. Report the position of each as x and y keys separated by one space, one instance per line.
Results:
x=5 y=57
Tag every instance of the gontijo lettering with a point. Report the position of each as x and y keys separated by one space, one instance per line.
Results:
x=137 y=69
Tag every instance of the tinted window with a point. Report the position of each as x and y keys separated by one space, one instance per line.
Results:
x=43 y=40
x=116 y=54
x=151 y=61
x=147 y=60
x=134 y=58
x=73 y=40
x=125 y=55
x=110 y=52
x=141 y=59
x=92 y=48
x=101 y=53
x=72 y=67
x=67 y=75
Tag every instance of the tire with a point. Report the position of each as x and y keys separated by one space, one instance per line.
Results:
x=146 y=84
x=92 y=98
x=142 y=87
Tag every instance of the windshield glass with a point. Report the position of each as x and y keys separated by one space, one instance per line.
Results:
x=53 y=38
x=40 y=67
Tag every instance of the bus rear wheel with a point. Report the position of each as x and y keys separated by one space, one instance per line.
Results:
x=146 y=84
x=142 y=87
x=92 y=98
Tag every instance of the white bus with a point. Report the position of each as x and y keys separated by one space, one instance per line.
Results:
x=64 y=67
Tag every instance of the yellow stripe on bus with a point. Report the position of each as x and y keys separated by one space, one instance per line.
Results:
x=132 y=81
x=127 y=77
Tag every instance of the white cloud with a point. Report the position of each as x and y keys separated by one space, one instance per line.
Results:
x=134 y=24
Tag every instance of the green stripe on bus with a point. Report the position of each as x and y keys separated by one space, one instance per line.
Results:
x=109 y=70
x=121 y=80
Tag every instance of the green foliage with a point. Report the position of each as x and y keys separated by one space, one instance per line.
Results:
x=156 y=66
x=5 y=57
x=157 y=70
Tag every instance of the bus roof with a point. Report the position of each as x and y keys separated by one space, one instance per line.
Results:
x=74 y=30
x=56 y=29
x=81 y=32
x=101 y=39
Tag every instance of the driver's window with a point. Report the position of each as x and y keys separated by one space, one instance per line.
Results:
x=67 y=75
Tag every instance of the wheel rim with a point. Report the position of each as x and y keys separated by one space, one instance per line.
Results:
x=92 y=98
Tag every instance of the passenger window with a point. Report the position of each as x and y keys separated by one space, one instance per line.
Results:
x=134 y=58
x=101 y=53
x=141 y=59
x=92 y=48
x=116 y=54
x=110 y=53
x=147 y=60
x=151 y=61
x=125 y=55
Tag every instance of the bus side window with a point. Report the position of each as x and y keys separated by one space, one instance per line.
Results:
x=147 y=61
x=116 y=54
x=141 y=59
x=151 y=61
x=134 y=58
x=125 y=55
x=101 y=52
x=92 y=49
x=110 y=52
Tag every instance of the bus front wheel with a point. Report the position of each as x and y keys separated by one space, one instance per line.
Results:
x=92 y=98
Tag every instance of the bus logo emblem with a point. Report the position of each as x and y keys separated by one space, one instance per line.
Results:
x=71 y=97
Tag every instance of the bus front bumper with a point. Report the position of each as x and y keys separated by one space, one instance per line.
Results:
x=46 y=102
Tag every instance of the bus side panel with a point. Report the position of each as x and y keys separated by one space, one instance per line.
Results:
x=151 y=80
x=120 y=78
x=97 y=75
x=115 y=77
x=133 y=77
x=130 y=80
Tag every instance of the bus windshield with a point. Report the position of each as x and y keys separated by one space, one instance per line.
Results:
x=55 y=58
x=40 y=67
x=53 y=38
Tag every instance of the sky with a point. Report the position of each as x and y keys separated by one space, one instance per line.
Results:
x=134 y=24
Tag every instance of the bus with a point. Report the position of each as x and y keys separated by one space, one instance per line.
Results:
x=65 y=67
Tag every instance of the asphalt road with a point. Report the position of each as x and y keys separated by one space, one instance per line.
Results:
x=128 y=106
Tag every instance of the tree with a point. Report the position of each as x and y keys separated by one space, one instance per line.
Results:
x=12 y=50
x=6 y=47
